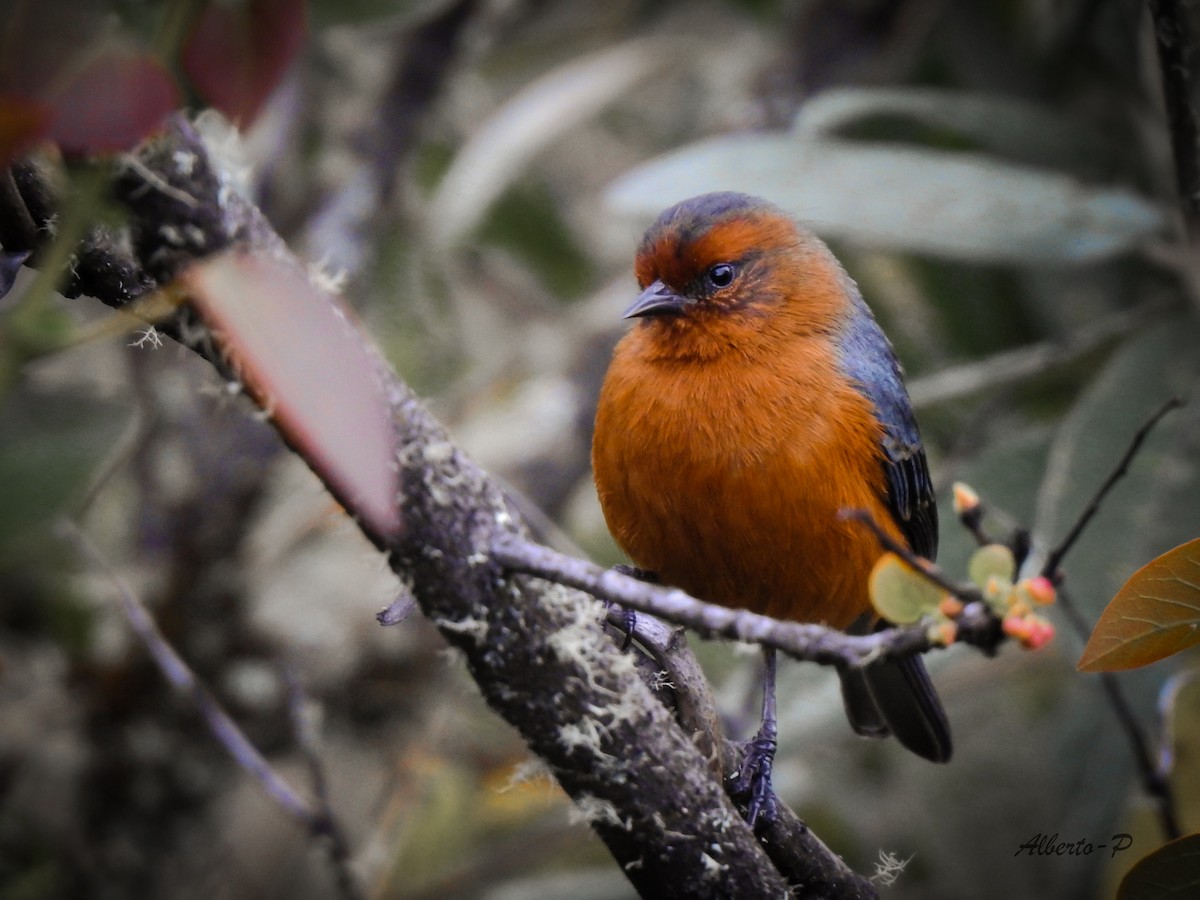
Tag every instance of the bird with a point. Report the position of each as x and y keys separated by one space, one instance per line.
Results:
x=752 y=404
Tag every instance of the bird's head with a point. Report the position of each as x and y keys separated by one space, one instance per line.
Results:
x=737 y=266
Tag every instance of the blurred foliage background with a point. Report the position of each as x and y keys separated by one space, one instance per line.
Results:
x=997 y=176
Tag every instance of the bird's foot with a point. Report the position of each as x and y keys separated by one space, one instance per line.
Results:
x=627 y=622
x=628 y=617
x=751 y=784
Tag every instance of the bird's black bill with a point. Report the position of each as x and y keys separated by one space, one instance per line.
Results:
x=656 y=300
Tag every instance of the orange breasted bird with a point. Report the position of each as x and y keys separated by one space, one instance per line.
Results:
x=756 y=399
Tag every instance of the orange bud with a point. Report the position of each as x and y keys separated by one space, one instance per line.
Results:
x=1032 y=631
x=950 y=606
x=1041 y=633
x=1017 y=606
x=965 y=499
x=1017 y=627
x=1040 y=590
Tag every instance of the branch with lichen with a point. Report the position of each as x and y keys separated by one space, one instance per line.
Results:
x=640 y=752
x=802 y=641
x=537 y=651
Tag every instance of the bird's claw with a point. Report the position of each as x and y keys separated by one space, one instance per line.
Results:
x=752 y=782
x=628 y=623
x=629 y=616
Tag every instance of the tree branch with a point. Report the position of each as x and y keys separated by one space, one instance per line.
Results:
x=802 y=641
x=538 y=653
x=1174 y=48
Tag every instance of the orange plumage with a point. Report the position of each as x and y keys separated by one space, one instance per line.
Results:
x=753 y=402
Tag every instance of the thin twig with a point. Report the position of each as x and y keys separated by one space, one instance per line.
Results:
x=1152 y=779
x=965 y=592
x=1054 y=560
x=972 y=521
x=318 y=820
x=1153 y=782
x=812 y=643
x=325 y=825
x=183 y=679
x=971 y=513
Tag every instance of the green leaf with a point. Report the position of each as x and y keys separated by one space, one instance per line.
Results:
x=52 y=445
x=953 y=205
x=1156 y=614
x=33 y=325
x=527 y=222
x=542 y=113
x=1005 y=125
x=901 y=594
x=992 y=560
x=1171 y=872
x=1179 y=709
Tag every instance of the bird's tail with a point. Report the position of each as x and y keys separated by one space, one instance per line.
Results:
x=896 y=696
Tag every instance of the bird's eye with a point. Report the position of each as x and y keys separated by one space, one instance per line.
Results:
x=721 y=275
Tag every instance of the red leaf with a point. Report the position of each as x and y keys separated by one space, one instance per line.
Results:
x=111 y=102
x=93 y=89
x=22 y=124
x=301 y=359
x=1155 y=614
x=236 y=53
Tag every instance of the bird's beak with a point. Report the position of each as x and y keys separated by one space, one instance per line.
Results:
x=656 y=300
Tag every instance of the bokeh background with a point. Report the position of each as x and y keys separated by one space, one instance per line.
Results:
x=996 y=175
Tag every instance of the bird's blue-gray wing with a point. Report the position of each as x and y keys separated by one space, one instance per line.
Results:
x=895 y=695
x=871 y=363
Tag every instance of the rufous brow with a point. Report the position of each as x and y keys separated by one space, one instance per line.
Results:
x=684 y=250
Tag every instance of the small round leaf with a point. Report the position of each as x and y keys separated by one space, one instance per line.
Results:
x=991 y=561
x=900 y=593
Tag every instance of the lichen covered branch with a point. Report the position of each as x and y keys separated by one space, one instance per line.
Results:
x=538 y=651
